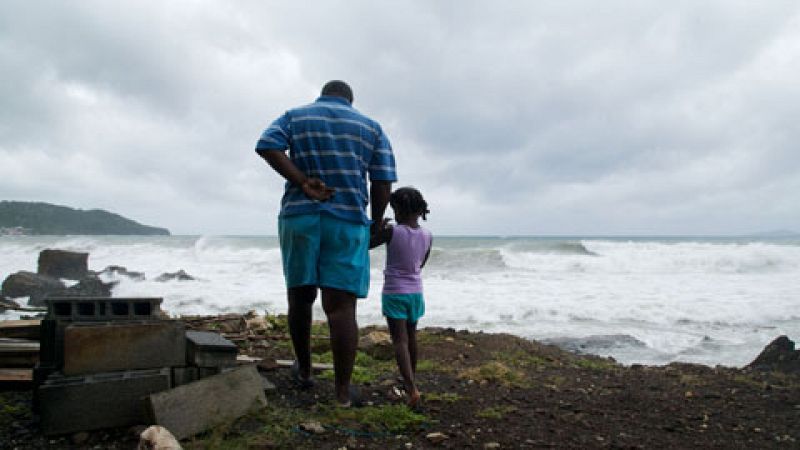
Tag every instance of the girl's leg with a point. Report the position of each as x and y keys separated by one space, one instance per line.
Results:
x=399 y=332
x=411 y=331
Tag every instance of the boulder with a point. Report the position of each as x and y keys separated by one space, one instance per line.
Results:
x=180 y=275
x=377 y=344
x=33 y=285
x=120 y=271
x=63 y=264
x=779 y=355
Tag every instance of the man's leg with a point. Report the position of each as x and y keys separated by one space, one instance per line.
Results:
x=340 y=307
x=301 y=299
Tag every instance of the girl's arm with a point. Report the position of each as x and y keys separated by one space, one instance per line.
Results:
x=427 y=254
x=381 y=236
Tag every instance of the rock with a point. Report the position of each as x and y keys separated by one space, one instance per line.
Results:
x=7 y=303
x=312 y=427
x=63 y=264
x=120 y=271
x=80 y=438
x=491 y=445
x=180 y=275
x=779 y=355
x=157 y=437
x=91 y=286
x=33 y=285
x=436 y=437
x=377 y=344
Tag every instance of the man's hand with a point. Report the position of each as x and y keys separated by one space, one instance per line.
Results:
x=379 y=233
x=316 y=189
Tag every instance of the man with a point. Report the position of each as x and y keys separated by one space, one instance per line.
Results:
x=323 y=226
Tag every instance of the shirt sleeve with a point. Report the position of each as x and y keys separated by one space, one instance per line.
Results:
x=381 y=166
x=277 y=136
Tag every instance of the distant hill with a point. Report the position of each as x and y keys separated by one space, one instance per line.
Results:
x=44 y=218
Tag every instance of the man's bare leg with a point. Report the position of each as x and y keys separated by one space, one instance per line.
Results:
x=340 y=307
x=301 y=300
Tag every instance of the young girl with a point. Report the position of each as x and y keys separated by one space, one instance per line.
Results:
x=407 y=249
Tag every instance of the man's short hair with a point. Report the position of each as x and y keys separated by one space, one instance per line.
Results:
x=338 y=88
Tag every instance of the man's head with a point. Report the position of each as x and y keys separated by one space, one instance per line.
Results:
x=338 y=88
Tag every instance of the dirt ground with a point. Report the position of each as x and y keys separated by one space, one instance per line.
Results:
x=485 y=391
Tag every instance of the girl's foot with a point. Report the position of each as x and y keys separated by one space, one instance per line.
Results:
x=413 y=399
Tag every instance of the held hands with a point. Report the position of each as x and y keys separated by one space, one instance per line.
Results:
x=316 y=189
x=380 y=232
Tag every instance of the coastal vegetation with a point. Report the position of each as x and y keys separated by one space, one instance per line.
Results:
x=38 y=218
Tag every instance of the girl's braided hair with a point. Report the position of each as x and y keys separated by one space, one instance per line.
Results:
x=407 y=201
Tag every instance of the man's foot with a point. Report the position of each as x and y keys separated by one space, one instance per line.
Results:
x=302 y=383
x=353 y=399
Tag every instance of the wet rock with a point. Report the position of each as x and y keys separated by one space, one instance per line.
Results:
x=180 y=275
x=121 y=271
x=91 y=286
x=779 y=355
x=377 y=344
x=33 y=285
x=63 y=264
x=7 y=303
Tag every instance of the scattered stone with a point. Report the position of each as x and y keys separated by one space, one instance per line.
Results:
x=312 y=427
x=779 y=355
x=180 y=275
x=33 y=285
x=491 y=445
x=80 y=438
x=377 y=344
x=436 y=437
x=63 y=264
x=157 y=437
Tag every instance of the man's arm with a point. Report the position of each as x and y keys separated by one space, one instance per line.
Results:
x=379 y=192
x=314 y=188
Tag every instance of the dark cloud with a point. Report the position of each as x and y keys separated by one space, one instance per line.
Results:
x=514 y=117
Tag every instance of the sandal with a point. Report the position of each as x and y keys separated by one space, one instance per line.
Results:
x=302 y=383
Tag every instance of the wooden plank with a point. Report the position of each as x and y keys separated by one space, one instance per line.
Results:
x=315 y=366
x=23 y=329
x=15 y=375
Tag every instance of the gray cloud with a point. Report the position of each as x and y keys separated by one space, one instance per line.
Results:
x=518 y=117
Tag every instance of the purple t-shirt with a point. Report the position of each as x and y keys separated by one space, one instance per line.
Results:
x=404 y=255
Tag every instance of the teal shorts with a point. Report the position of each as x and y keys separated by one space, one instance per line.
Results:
x=321 y=250
x=408 y=307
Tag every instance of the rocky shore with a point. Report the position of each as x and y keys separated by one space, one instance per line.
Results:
x=480 y=391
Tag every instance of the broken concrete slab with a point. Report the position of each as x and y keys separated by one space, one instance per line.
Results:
x=195 y=407
x=110 y=346
x=209 y=349
x=104 y=400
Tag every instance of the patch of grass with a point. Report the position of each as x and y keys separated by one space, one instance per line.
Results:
x=375 y=419
x=522 y=359
x=595 y=364
x=749 y=381
x=10 y=411
x=366 y=370
x=427 y=365
x=274 y=423
x=494 y=371
x=448 y=397
x=495 y=412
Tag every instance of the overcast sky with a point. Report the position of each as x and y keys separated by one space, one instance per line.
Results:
x=581 y=117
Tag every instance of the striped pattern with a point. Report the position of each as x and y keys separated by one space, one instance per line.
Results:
x=331 y=140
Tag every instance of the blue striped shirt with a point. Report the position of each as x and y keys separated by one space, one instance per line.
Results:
x=332 y=141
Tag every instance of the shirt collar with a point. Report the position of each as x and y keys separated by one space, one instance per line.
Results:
x=334 y=99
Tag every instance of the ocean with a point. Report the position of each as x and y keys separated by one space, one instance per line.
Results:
x=639 y=300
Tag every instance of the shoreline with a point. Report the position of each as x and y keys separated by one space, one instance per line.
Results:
x=480 y=390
